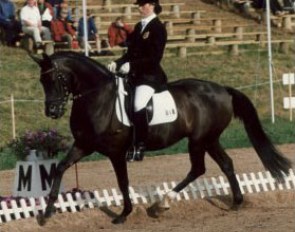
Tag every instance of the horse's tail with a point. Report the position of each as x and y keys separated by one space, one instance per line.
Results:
x=271 y=158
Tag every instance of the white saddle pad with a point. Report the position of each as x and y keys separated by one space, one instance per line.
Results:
x=164 y=108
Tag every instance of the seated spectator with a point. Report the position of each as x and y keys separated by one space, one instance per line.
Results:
x=8 y=22
x=92 y=33
x=62 y=30
x=118 y=33
x=31 y=23
x=46 y=12
x=55 y=6
x=289 y=6
x=64 y=6
x=275 y=6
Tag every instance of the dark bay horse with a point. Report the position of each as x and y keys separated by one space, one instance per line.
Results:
x=205 y=109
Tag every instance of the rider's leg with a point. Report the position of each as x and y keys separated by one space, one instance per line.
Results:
x=143 y=94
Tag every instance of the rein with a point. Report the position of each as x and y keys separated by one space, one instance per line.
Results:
x=62 y=79
x=63 y=82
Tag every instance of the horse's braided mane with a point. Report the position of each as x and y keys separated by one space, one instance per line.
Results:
x=82 y=58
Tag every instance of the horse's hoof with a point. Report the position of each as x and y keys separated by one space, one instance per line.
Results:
x=156 y=209
x=41 y=219
x=236 y=207
x=119 y=220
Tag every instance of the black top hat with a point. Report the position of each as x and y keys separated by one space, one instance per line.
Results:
x=158 y=8
x=142 y=2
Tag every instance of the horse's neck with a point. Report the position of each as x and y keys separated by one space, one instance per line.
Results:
x=83 y=85
x=97 y=95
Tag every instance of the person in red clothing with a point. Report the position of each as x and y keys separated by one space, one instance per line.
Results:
x=62 y=30
x=118 y=32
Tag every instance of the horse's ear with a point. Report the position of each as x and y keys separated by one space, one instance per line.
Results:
x=46 y=57
x=36 y=59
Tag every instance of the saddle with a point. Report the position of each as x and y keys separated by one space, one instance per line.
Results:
x=160 y=109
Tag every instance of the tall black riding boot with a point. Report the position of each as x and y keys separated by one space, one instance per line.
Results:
x=140 y=131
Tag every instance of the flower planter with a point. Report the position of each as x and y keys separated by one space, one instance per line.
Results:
x=34 y=177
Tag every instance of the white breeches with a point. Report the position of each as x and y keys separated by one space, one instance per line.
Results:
x=36 y=33
x=143 y=94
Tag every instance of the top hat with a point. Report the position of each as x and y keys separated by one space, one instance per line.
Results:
x=158 y=8
x=142 y=2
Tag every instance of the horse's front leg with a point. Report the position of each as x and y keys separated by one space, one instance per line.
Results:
x=120 y=166
x=73 y=156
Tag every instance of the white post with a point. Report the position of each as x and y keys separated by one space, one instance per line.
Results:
x=12 y=116
x=290 y=98
x=84 y=10
x=270 y=60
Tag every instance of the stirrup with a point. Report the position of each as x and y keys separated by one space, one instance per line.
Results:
x=135 y=154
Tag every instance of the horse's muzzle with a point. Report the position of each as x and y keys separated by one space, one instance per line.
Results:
x=54 y=111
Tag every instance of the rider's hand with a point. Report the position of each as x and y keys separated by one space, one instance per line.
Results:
x=112 y=67
x=125 y=68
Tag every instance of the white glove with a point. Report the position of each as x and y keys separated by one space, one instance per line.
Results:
x=112 y=67
x=125 y=68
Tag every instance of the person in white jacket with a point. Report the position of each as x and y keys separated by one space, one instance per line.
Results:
x=32 y=24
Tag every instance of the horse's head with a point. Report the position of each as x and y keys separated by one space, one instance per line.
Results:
x=55 y=81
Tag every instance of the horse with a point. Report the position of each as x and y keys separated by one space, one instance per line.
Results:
x=205 y=109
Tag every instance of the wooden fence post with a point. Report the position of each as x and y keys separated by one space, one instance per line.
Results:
x=12 y=116
x=175 y=11
x=169 y=27
x=284 y=47
x=239 y=33
x=190 y=34
x=128 y=12
x=182 y=52
x=287 y=23
x=234 y=49
x=217 y=25
x=196 y=17
x=107 y=5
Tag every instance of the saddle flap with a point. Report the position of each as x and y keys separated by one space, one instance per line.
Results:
x=163 y=107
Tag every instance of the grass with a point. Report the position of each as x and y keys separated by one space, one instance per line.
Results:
x=19 y=76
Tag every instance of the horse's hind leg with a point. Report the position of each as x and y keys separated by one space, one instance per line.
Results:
x=225 y=163
x=197 y=155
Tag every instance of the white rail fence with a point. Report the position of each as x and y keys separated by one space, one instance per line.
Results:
x=201 y=188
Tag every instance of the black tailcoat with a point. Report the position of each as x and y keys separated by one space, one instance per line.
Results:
x=144 y=53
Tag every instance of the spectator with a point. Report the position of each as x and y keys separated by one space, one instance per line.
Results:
x=31 y=23
x=118 y=33
x=55 y=5
x=8 y=22
x=64 y=6
x=275 y=6
x=46 y=12
x=62 y=30
x=289 y=5
x=92 y=33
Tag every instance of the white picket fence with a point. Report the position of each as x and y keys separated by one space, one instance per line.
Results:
x=204 y=187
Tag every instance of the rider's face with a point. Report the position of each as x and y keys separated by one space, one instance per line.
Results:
x=146 y=9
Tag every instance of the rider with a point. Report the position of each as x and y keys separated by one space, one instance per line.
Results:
x=146 y=46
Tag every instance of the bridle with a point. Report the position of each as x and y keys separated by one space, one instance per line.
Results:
x=63 y=84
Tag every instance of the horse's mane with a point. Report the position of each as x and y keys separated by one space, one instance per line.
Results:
x=84 y=59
